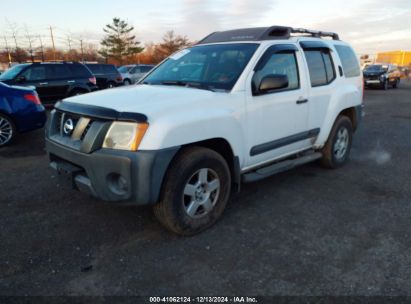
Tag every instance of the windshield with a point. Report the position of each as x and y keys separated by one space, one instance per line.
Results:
x=12 y=72
x=125 y=68
x=375 y=67
x=211 y=67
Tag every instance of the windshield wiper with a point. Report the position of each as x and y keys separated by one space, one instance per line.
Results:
x=189 y=84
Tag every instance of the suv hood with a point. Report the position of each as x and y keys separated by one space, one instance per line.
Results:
x=150 y=100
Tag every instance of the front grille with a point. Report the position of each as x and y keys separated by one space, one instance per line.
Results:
x=372 y=78
x=76 y=131
x=72 y=126
x=86 y=130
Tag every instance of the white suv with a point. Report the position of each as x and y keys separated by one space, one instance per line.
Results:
x=237 y=107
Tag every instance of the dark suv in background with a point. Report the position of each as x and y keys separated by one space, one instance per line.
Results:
x=382 y=76
x=106 y=74
x=53 y=80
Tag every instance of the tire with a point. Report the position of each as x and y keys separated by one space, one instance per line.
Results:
x=7 y=130
x=337 y=149
x=127 y=82
x=186 y=206
x=77 y=92
x=396 y=83
x=384 y=85
x=111 y=85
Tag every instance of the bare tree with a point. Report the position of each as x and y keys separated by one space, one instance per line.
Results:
x=29 y=38
x=13 y=28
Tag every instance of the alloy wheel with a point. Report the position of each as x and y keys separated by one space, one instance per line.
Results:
x=201 y=193
x=6 y=131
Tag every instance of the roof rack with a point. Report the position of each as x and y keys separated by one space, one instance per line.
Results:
x=264 y=33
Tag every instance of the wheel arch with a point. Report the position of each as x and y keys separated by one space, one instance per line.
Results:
x=222 y=147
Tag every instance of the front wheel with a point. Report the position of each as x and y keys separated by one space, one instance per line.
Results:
x=338 y=146
x=396 y=83
x=384 y=85
x=195 y=191
x=7 y=130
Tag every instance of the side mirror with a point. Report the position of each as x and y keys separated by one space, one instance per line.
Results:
x=272 y=82
x=20 y=79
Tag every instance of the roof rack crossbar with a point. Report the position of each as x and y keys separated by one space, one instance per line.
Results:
x=317 y=34
x=263 y=33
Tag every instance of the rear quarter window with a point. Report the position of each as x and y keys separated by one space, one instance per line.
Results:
x=349 y=61
x=80 y=71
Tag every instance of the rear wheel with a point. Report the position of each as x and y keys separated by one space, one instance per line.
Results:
x=111 y=85
x=127 y=82
x=338 y=146
x=7 y=130
x=195 y=191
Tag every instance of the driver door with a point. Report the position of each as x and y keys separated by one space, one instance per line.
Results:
x=277 y=120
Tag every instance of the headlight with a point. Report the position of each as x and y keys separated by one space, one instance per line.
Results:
x=125 y=135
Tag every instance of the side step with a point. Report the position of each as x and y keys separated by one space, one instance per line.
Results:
x=279 y=167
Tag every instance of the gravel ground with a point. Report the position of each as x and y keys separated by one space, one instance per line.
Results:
x=309 y=231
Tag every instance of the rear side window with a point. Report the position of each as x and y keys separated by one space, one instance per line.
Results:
x=79 y=71
x=95 y=68
x=109 y=69
x=349 y=61
x=320 y=66
x=59 y=71
x=145 y=69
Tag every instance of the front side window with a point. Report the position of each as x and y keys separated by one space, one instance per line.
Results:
x=13 y=72
x=211 y=67
x=284 y=63
x=320 y=66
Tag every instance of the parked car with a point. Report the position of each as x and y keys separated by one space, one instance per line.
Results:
x=382 y=76
x=20 y=111
x=237 y=107
x=134 y=72
x=107 y=75
x=53 y=80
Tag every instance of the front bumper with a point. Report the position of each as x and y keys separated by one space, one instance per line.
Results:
x=113 y=175
x=372 y=82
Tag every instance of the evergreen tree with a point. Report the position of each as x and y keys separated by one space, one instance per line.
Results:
x=119 y=41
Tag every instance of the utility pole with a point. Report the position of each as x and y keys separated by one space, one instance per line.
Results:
x=69 y=45
x=52 y=41
x=8 y=50
x=82 y=51
x=29 y=38
x=41 y=48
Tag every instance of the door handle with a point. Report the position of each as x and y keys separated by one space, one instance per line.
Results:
x=301 y=101
x=43 y=83
x=71 y=81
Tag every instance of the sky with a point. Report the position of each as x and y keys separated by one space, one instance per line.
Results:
x=369 y=25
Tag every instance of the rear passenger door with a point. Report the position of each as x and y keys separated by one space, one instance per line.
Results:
x=277 y=120
x=59 y=81
x=322 y=74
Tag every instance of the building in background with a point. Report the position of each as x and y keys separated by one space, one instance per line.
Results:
x=400 y=58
